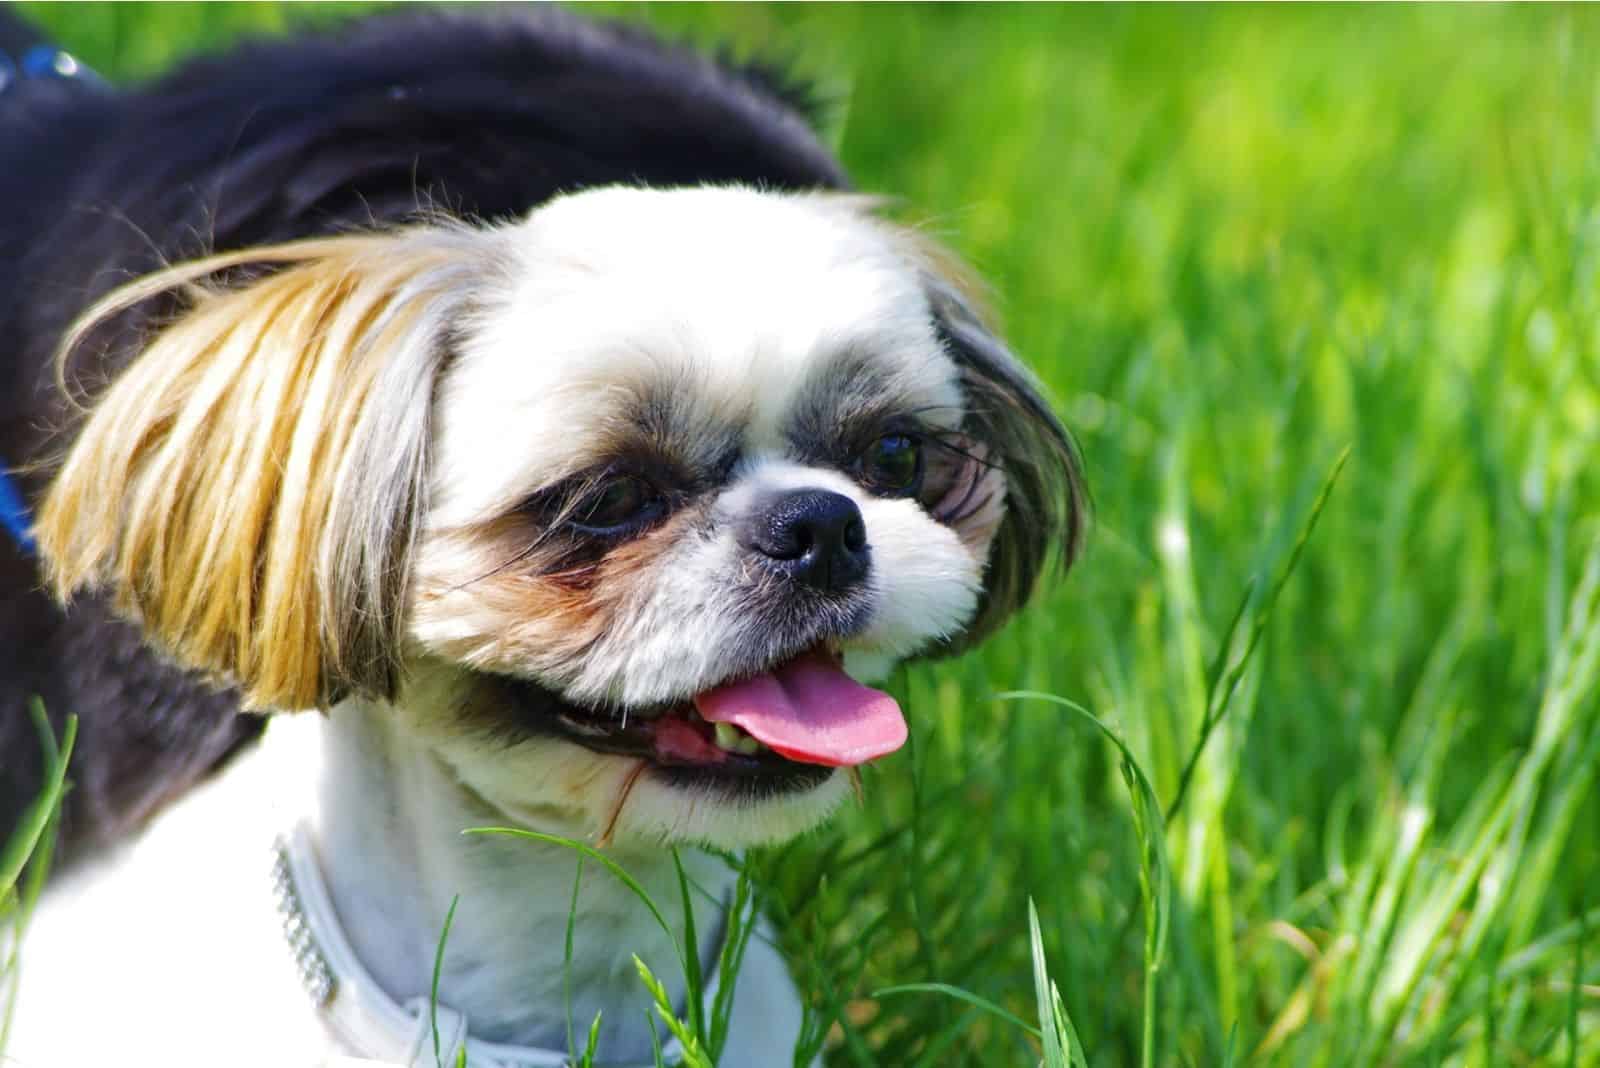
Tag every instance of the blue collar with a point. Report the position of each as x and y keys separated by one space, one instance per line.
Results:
x=38 y=63
x=14 y=513
x=42 y=62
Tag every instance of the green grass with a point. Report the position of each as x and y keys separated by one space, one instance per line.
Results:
x=25 y=859
x=1236 y=243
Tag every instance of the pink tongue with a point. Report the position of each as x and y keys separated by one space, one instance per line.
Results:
x=811 y=711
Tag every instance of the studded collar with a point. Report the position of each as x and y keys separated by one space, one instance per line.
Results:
x=358 y=1012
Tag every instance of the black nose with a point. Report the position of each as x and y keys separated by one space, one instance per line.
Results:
x=814 y=536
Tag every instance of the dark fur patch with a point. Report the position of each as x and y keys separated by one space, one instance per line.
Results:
x=846 y=402
x=1046 y=495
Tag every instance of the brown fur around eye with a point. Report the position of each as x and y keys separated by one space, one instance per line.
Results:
x=487 y=600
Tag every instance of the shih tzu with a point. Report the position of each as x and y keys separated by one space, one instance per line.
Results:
x=530 y=407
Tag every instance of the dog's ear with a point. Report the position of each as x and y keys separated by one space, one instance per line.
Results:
x=1046 y=498
x=250 y=488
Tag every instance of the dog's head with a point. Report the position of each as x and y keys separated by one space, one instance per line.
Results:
x=613 y=506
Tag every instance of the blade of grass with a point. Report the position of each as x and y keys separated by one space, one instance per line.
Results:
x=692 y=1053
x=1054 y=1056
x=1576 y=991
x=691 y=972
x=606 y=862
x=566 y=959
x=591 y=1046
x=960 y=995
x=1155 y=876
x=1217 y=706
x=39 y=812
x=1061 y=1049
x=433 y=985
x=31 y=848
x=741 y=924
x=1068 y=1033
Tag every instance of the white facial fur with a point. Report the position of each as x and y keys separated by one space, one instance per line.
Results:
x=731 y=294
x=732 y=305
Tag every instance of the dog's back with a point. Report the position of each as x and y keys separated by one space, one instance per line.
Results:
x=148 y=731
x=273 y=141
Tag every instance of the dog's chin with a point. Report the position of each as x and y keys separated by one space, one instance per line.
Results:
x=647 y=774
x=622 y=800
x=666 y=807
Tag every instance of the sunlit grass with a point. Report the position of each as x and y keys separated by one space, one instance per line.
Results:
x=25 y=860
x=1236 y=243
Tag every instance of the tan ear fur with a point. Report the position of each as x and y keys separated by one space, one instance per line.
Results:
x=249 y=488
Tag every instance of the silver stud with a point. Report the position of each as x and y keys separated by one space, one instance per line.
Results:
x=315 y=975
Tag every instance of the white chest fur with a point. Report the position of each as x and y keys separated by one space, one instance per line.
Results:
x=171 y=951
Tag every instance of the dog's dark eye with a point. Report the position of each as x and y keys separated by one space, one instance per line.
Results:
x=892 y=466
x=617 y=504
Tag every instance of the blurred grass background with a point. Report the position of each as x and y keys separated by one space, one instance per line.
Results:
x=1234 y=242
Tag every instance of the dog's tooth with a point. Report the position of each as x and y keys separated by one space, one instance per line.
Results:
x=727 y=736
x=749 y=746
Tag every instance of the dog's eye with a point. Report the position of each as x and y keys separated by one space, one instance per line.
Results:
x=617 y=504
x=892 y=466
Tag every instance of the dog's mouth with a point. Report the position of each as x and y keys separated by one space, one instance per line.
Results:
x=794 y=722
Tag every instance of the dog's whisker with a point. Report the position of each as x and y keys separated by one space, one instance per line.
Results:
x=616 y=809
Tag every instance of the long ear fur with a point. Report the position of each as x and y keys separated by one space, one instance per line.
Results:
x=1047 y=498
x=249 y=488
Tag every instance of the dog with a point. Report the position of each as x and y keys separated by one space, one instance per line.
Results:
x=527 y=411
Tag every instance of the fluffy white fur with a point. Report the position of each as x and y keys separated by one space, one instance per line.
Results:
x=730 y=294
x=727 y=301
x=175 y=946
x=730 y=297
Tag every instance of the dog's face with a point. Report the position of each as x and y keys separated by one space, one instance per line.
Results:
x=613 y=506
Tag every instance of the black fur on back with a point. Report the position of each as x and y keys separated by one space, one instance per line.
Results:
x=483 y=117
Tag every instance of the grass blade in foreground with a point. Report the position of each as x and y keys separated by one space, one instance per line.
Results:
x=30 y=847
x=1155 y=877
x=693 y=992
x=1061 y=1046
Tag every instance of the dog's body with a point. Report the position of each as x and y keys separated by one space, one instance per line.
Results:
x=525 y=507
